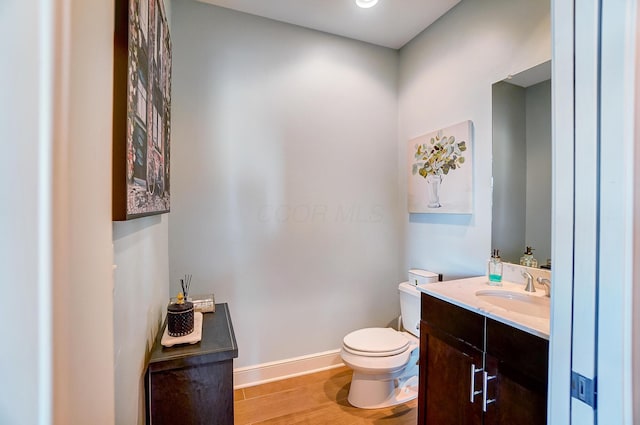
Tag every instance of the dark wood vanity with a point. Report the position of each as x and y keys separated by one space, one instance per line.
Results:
x=476 y=370
x=193 y=384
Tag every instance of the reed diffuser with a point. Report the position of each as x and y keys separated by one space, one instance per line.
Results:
x=186 y=284
x=180 y=317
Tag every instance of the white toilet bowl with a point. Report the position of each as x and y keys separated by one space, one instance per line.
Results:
x=384 y=363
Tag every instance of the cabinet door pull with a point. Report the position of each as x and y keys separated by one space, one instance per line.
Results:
x=473 y=393
x=486 y=401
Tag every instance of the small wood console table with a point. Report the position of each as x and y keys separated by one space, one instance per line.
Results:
x=193 y=384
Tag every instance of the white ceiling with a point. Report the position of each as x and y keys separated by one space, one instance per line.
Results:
x=391 y=23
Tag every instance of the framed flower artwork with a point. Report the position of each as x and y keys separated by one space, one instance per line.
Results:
x=441 y=171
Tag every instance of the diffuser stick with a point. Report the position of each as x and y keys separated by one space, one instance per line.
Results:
x=187 y=284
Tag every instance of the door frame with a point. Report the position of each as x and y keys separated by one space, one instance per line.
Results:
x=618 y=193
x=562 y=128
x=617 y=227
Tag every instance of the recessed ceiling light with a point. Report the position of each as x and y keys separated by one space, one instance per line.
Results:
x=365 y=4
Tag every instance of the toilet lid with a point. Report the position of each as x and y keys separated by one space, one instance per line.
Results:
x=376 y=342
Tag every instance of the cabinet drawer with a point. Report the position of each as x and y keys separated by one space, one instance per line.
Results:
x=519 y=352
x=453 y=320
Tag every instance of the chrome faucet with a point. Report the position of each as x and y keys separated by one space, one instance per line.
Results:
x=529 y=287
x=547 y=285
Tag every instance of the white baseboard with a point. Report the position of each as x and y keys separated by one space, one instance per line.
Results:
x=288 y=368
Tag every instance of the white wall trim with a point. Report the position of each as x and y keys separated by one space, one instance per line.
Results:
x=288 y=368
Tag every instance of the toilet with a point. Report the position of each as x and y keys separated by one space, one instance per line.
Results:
x=384 y=360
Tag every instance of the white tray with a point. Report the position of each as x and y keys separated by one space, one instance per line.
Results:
x=192 y=338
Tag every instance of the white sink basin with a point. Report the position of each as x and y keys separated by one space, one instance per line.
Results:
x=517 y=302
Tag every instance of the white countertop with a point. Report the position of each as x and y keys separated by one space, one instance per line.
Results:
x=462 y=292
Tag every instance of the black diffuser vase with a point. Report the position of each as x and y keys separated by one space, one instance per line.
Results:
x=180 y=317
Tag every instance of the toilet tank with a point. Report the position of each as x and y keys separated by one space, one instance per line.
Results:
x=410 y=307
x=422 y=277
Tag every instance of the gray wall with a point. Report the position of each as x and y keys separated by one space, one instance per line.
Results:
x=285 y=198
x=141 y=293
x=446 y=75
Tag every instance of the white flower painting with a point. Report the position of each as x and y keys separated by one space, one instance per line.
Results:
x=441 y=171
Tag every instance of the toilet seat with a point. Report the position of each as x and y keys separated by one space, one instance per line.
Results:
x=375 y=342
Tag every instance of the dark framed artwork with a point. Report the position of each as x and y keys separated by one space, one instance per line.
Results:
x=141 y=110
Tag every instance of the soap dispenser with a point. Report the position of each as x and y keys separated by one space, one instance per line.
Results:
x=527 y=259
x=495 y=269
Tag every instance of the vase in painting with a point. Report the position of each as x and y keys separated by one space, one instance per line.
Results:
x=433 y=190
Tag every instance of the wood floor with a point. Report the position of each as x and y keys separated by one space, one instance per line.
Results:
x=315 y=399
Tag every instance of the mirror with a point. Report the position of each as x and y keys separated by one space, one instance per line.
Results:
x=521 y=166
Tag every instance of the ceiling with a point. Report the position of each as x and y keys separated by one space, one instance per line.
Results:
x=391 y=23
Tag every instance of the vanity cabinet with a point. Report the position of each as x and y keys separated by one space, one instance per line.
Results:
x=520 y=362
x=475 y=370
x=451 y=344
